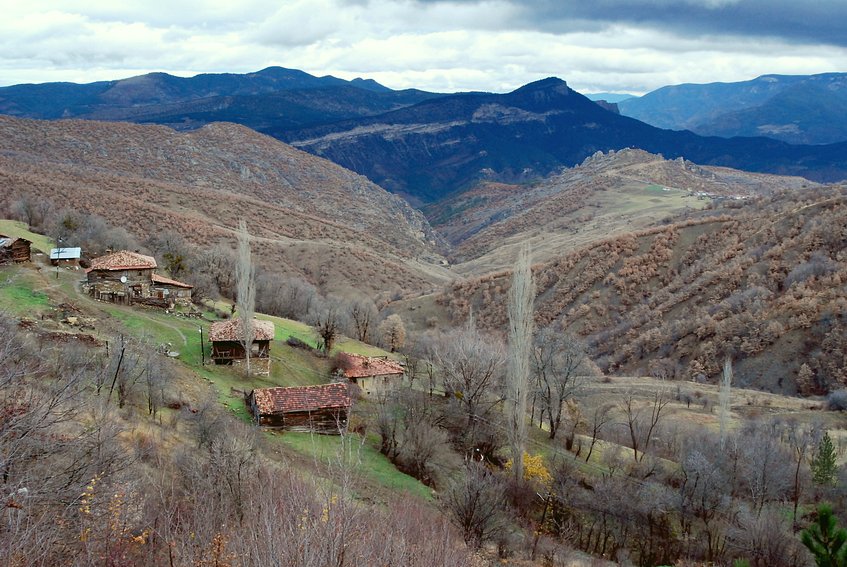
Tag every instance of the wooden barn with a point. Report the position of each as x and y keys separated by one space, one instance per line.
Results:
x=372 y=374
x=14 y=250
x=320 y=409
x=227 y=348
x=130 y=277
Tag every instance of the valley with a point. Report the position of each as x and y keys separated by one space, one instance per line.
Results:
x=686 y=364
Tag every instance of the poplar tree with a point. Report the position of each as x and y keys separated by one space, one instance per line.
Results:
x=521 y=297
x=245 y=278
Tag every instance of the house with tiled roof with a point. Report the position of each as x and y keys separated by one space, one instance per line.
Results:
x=321 y=409
x=372 y=374
x=227 y=348
x=130 y=277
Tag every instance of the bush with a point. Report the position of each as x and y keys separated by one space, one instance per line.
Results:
x=837 y=400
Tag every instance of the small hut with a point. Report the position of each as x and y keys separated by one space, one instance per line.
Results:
x=319 y=409
x=171 y=290
x=65 y=256
x=372 y=374
x=227 y=348
x=14 y=250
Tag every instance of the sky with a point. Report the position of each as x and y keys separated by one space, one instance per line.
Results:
x=624 y=46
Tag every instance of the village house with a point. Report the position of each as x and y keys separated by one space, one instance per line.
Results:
x=320 y=409
x=227 y=347
x=130 y=277
x=372 y=374
x=14 y=250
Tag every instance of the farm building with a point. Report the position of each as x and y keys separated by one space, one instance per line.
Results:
x=65 y=256
x=226 y=339
x=372 y=374
x=14 y=249
x=322 y=409
x=130 y=277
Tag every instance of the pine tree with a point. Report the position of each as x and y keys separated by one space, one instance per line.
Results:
x=823 y=464
x=826 y=541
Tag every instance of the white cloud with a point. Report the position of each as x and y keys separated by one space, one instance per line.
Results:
x=494 y=45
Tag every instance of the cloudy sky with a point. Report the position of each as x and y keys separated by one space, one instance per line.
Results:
x=457 y=45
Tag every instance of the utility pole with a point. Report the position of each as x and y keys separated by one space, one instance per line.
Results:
x=202 y=352
x=58 y=256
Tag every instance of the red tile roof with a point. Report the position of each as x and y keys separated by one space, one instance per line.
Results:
x=302 y=398
x=231 y=330
x=123 y=260
x=358 y=366
x=168 y=281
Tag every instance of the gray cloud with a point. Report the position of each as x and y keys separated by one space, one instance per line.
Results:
x=495 y=45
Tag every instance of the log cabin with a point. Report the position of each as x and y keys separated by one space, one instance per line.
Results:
x=14 y=250
x=372 y=374
x=320 y=409
x=227 y=347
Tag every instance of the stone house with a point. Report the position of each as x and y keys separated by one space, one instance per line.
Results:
x=130 y=277
x=372 y=374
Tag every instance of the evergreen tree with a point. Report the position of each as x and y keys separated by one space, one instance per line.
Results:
x=826 y=541
x=823 y=463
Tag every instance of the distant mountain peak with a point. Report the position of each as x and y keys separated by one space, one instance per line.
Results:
x=544 y=84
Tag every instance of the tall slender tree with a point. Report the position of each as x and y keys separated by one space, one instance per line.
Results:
x=245 y=277
x=723 y=397
x=521 y=297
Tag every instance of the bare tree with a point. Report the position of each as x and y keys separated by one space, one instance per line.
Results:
x=393 y=332
x=471 y=367
x=362 y=315
x=641 y=426
x=558 y=362
x=327 y=318
x=724 y=396
x=600 y=417
x=521 y=298
x=245 y=277
x=477 y=504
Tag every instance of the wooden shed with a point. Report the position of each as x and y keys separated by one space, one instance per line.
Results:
x=372 y=374
x=321 y=409
x=14 y=250
x=227 y=348
x=66 y=256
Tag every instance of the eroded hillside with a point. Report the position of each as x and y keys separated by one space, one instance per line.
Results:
x=310 y=216
x=763 y=282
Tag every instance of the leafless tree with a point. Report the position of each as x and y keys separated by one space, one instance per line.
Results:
x=559 y=365
x=471 y=367
x=327 y=318
x=393 y=332
x=245 y=277
x=640 y=425
x=477 y=505
x=600 y=417
x=520 y=310
x=362 y=314
x=724 y=397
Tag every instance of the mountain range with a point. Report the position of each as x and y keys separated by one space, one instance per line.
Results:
x=423 y=146
x=802 y=109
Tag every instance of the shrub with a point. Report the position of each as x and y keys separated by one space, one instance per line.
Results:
x=837 y=400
